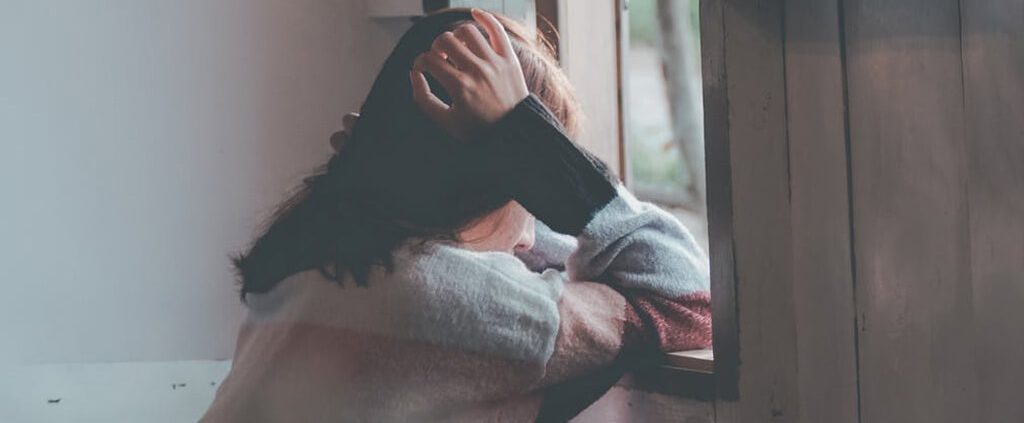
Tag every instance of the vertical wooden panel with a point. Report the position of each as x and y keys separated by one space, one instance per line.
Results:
x=719 y=185
x=822 y=267
x=758 y=156
x=590 y=60
x=910 y=212
x=993 y=43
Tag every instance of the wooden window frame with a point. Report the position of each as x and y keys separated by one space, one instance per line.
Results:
x=595 y=71
x=809 y=223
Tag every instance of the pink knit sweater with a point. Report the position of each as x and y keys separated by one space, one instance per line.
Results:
x=450 y=334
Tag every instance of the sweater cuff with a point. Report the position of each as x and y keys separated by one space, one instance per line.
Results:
x=558 y=182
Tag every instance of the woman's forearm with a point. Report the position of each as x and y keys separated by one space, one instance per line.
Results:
x=641 y=251
x=541 y=168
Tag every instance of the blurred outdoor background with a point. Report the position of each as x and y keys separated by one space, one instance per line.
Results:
x=664 y=120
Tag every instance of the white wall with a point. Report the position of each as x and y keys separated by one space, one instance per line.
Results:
x=143 y=142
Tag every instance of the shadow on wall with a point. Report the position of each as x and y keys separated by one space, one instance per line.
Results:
x=144 y=143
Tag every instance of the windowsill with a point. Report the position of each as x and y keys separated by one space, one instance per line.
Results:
x=687 y=374
x=698 y=361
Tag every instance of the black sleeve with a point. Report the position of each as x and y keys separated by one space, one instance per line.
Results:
x=553 y=178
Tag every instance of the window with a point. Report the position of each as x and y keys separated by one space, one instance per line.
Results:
x=664 y=131
x=663 y=139
x=615 y=46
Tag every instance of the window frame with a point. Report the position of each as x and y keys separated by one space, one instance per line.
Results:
x=674 y=376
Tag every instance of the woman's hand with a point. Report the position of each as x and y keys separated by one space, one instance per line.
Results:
x=338 y=139
x=483 y=78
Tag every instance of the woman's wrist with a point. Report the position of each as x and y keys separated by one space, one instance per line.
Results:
x=558 y=182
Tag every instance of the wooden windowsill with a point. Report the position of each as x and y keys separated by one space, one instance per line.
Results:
x=700 y=361
x=688 y=374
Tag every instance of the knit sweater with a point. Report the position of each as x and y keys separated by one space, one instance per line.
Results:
x=449 y=334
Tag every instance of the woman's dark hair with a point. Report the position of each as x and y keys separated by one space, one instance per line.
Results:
x=398 y=176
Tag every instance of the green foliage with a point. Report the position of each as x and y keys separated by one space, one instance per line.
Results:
x=653 y=158
x=651 y=162
x=643 y=22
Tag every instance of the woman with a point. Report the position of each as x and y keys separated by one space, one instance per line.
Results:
x=387 y=289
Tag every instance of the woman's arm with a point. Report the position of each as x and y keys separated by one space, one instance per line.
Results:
x=641 y=252
x=648 y=288
x=551 y=250
x=637 y=281
x=636 y=253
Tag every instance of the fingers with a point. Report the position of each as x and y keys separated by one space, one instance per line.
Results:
x=499 y=38
x=474 y=40
x=349 y=121
x=458 y=53
x=338 y=139
x=432 y=106
x=441 y=69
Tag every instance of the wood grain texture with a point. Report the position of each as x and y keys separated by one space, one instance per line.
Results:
x=720 y=206
x=910 y=212
x=822 y=267
x=754 y=73
x=993 y=60
x=904 y=226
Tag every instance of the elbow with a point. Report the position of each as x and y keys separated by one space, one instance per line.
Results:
x=674 y=324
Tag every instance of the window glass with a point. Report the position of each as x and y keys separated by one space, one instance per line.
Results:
x=664 y=126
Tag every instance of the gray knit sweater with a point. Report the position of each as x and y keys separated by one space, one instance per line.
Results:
x=451 y=334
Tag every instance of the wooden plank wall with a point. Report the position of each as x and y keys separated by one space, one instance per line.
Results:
x=822 y=276
x=751 y=89
x=761 y=212
x=718 y=162
x=910 y=211
x=993 y=60
x=866 y=189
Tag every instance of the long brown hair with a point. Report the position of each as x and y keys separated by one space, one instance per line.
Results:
x=398 y=176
